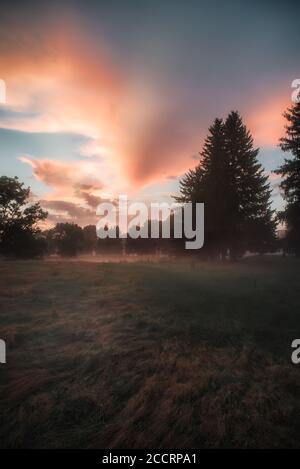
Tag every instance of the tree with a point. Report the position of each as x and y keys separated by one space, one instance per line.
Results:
x=251 y=219
x=89 y=238
x=231 y=183
x=111 y=244
x=66 y=238
x=208 y=183
x=290 y=172
x=141 y=245
x=19 y=231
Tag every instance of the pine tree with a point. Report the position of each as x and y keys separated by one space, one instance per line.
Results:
x=252 y=224
x=208 y=183
x=290 y=172
x=236 y=193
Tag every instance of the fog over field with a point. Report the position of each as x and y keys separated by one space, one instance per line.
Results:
x=160 y=355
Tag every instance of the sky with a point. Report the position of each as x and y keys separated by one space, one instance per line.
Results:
x=109 y=98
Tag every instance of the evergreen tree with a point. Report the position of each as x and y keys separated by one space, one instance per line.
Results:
x=214 y=162
x=251 y=219
x=290 y=171
x=208 y=183
x=236 y=193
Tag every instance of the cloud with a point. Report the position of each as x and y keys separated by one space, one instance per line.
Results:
x=85 y=191
x=62 y=211
x=64 y=175
x=52 y=173
x=68 y=84
x=136 y=127
x=72 y=186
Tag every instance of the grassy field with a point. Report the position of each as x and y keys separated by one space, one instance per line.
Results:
x=164 y=355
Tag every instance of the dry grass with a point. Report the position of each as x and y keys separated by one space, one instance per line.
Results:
x=149 y=355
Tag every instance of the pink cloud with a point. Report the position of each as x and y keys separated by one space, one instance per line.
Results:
x=62 y=211
x=73 y=86
x=138 y=135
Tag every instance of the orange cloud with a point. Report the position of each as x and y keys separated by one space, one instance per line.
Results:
x=137 y=135
x=62 y=211
x=73 y=87
x=75 y=191
x=53 y=173
x=76 y=182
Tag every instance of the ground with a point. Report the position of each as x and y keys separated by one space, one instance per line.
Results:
x=152 y=355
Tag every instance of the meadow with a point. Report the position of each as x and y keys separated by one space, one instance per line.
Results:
x=154 y=355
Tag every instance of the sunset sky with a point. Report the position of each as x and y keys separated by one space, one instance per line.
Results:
x=108 y=98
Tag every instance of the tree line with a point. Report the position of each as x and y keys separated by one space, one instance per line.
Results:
x=228 y=179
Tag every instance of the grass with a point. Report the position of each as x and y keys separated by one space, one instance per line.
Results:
x=164 y=355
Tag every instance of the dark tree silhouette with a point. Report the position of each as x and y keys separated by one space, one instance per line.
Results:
x=89 y=238
x=290 y=185
x=231 y=183
x=208 y=183
x=111 y=245
x=19 y=231
x=66 y=239
x=141 y=245
x=251 y=219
